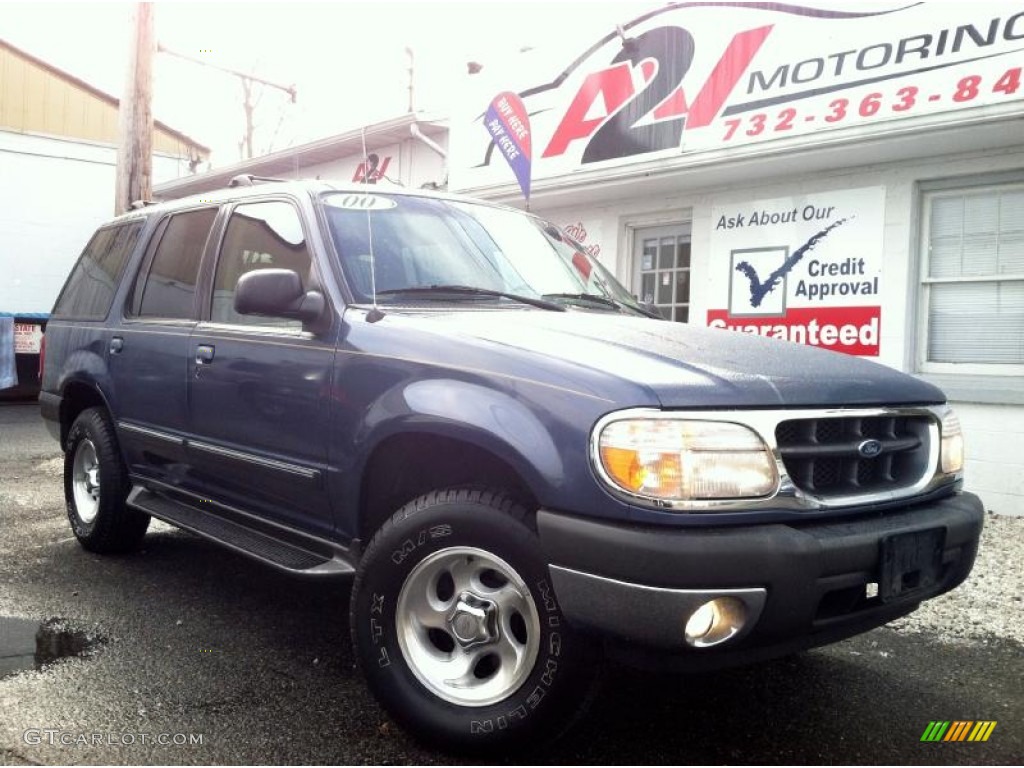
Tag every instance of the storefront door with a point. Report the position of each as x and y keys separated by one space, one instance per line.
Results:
x=661 y=269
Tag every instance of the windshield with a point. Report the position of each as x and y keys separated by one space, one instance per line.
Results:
x=425 y=243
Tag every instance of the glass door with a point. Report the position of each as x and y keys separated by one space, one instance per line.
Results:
x=661 y=269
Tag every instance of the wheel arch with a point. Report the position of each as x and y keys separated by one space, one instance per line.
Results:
x=439 y=433
x=76 y=396
x=410 y=463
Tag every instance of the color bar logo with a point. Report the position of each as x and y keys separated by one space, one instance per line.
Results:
x=958 y=730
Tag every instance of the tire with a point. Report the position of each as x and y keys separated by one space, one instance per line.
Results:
x=466 y=562
x=96 y=486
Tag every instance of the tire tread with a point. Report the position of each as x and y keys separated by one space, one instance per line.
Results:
x=576 y=690
x=117 y=528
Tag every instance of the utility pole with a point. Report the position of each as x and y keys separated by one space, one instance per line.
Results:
x=135 y=118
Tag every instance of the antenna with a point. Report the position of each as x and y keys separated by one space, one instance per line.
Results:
x=375 y=314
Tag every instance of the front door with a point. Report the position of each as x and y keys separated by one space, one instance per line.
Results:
x=661 y=269
x=258 y=386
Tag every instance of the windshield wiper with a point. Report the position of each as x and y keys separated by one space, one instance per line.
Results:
x=469 y=290
x=606 y=301
x=593 y=298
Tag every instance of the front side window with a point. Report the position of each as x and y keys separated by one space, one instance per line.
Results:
x=259 y=236
x=169 y=287
x=400 y=245
x=973 y=281
x=91 y=286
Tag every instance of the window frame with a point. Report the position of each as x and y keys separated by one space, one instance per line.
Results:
x=146 y=264
x=140 y=223
x=312 y=281
x=990 y=372
x=679 y=229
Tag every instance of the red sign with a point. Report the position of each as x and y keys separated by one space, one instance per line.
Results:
x=372 y=170
x=853 y=330
x=664 y=56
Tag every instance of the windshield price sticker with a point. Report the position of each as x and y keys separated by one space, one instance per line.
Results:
x=361 y=202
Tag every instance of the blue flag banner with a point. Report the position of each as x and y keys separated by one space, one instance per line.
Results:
x=509 y=126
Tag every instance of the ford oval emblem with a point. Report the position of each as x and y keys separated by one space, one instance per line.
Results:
x=869 y=449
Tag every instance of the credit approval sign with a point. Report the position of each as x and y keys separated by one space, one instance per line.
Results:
x=805 y=269
x=694 y=77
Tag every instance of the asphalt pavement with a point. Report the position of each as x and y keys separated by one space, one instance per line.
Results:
x=187 y=642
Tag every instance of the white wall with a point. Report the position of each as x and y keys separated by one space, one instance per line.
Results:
x=995 y=447
x=54 y=194
x=994 y=433
x=412 y=165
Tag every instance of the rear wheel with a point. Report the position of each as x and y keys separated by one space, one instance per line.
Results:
x=458 y=629
x=96 y=487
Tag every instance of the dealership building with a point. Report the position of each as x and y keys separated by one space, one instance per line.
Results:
x=847 y=176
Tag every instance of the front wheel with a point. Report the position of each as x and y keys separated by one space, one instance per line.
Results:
x=457 y=627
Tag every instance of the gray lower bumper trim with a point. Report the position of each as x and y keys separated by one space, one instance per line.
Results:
x=653 y=616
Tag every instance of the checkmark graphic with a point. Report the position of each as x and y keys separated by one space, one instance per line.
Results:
x=758 y=289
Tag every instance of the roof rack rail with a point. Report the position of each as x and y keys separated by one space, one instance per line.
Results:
x=138 y=204
x=249 y=180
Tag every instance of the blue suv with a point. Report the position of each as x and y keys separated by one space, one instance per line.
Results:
x=523 y=469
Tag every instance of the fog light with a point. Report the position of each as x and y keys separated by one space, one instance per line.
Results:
x=715 y=622
x=700 y=622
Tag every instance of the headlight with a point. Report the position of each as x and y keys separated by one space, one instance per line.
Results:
x=952 y=456
x=680 y=460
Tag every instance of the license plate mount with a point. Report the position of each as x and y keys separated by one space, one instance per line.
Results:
x=911 y=562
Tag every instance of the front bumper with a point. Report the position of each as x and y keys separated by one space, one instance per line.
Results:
x=804 y=584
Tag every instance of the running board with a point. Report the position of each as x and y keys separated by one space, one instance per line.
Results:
x=300 y=554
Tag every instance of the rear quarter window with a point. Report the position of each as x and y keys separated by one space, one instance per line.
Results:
x=90 y=289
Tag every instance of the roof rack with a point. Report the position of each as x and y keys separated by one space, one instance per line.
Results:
x=249 y=180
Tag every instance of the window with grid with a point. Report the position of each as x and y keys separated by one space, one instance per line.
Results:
x=973 y=281
x=664 y=272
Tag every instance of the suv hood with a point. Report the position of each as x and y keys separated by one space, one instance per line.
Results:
x=687 y=366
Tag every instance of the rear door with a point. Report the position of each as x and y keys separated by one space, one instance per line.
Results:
x=259 y=386
x=149 y=346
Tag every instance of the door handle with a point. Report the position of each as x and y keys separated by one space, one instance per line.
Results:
x=116 y=345
x=204 y=354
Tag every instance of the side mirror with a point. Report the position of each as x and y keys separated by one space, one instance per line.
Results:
x=277 y=293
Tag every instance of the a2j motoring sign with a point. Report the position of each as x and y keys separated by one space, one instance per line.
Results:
x=804 y=269
x=692 y=77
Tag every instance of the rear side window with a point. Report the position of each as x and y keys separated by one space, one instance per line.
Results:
x=167 y=289
x=258 y=236
x=90 y=288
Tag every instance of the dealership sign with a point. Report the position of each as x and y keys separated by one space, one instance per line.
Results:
x=695 y=77
x=804 y=269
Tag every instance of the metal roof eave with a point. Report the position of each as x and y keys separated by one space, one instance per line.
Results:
x=294 y=159
x=97 y=93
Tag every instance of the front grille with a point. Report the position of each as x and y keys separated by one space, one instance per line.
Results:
x=822 y=456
